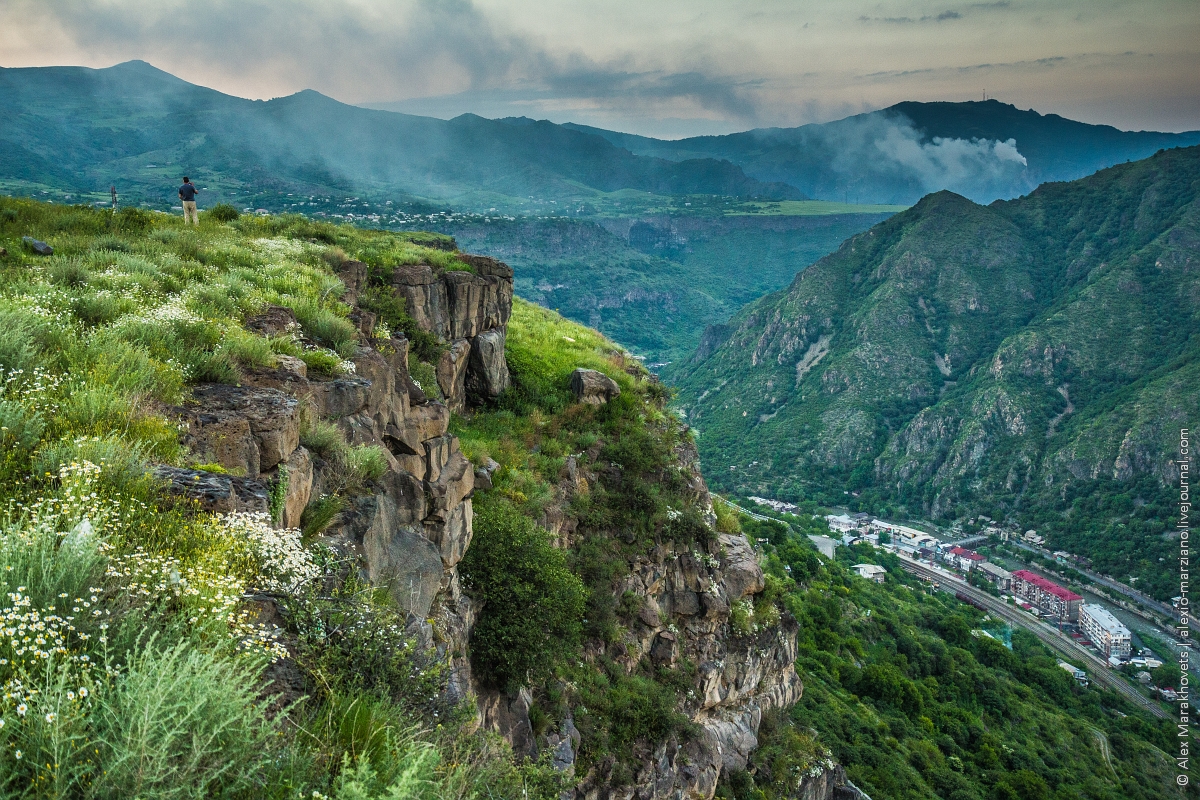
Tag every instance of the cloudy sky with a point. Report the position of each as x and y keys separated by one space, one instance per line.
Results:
x=658 y=67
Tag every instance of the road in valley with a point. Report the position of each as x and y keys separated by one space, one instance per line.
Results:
x=1058 y=642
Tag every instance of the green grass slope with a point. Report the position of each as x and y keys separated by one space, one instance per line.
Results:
x=1020 y=360
x=132 y=655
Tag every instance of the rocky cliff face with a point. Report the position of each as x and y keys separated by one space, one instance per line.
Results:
x=957 y=357
x=685 y=597
x=413 y=526
x=470 y=312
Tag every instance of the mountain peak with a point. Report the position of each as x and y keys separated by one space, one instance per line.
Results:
x=142 y=68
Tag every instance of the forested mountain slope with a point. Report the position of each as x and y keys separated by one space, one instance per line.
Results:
x=1031 y=360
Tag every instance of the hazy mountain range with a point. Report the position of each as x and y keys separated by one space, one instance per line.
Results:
x=983 y=150
x=78 y=128
x=136 y=125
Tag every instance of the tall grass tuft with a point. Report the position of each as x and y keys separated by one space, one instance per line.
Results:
x=181 y=723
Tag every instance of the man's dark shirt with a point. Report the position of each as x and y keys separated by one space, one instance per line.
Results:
x=187 y=192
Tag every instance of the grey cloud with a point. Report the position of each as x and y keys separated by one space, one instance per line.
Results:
x=402 y=49
x=715 y=93
x=885 y=157
x=942 y=17
x=1049 y=61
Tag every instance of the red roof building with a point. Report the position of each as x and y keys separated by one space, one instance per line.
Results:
x=963 y=558
x=1046 y=595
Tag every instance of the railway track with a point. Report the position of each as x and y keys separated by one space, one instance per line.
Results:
x=1059 y=643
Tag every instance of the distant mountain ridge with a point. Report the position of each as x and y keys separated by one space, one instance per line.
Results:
x=73 y=127
x=69 y=125
x=1032 y=360
x=902 y=152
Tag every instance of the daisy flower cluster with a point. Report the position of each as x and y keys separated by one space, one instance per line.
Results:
x=279 y=247
x=37 y=391
x=51 y=304
x=202 y=597
x=32 y=639
x=284 y=564
x=76 y=507
x=28 y=635
x=174 y=310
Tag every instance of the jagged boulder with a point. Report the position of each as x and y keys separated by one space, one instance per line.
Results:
x=455 y=482
x=38 y=246
x=741 y=573
x=242 y=428
x=299 y=471
x=484 y=473
x=452 y=373
x=593 y=387
x=398 y=554
x=214 y=491
x=487 y=371
x=510 y=717
x=424 y=297
x=340 y=397
x=457 y=304
x=273 y=321
x=476 y=303
x=452 y=536
x=354 y=278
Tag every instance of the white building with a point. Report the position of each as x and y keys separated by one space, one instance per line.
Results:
x=1076 y=673
x=841 y=522
x=872 y=572
x=777 y=505
x=1105 y=630
x=997 y=575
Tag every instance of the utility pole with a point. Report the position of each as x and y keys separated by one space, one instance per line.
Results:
x=113 y=190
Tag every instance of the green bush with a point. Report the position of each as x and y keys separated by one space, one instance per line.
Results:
x=133 y=220
x=319 y=513
x=323 y=438
x=623 y=711
x=365 y=463
x=223 y=212
x=531 y=604
x=181 y=723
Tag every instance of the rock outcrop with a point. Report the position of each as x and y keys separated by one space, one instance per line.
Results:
x=469 y=310
x=412 y=526
x=593 y=387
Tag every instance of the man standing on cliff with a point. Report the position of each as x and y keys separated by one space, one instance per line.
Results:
x=187 y=193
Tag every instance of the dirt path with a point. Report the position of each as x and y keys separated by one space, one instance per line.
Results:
x=1103 y=740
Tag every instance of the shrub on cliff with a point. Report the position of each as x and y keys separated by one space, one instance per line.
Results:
x=532 y=604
